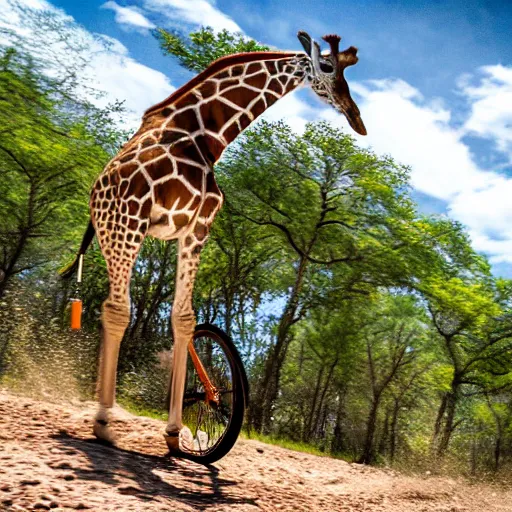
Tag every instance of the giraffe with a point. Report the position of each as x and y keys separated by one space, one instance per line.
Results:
x=162 y=184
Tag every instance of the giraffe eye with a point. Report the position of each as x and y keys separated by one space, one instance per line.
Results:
x=326 y=67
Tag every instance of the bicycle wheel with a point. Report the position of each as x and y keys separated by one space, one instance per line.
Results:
x=214 y=411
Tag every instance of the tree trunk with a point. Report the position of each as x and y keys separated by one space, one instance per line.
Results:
x=451 y=406
x=338 y=444
x=367 y=456
x=307 y=427
x=269 y=384
x=394 y=431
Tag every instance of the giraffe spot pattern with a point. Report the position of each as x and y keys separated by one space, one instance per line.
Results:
x=121 y=204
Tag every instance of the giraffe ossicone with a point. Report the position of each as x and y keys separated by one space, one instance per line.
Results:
x=162 y=184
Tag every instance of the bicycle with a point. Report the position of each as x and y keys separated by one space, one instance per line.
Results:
x=216 y=394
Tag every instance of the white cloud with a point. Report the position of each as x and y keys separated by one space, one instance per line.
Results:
x=107 y=65
x=419 y=134
x=130 y=18
x=416 y=133
x=195 y=12
x=491 y=109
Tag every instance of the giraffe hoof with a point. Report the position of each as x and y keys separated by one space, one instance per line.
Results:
x=181 y=441
x=103 y=433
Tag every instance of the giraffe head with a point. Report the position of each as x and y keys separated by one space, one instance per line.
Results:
x=326 y=76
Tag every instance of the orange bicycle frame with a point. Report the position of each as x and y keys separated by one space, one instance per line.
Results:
x=212 y=394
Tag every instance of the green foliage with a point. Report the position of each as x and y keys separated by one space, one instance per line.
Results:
x=53 y=145
x=197 y=51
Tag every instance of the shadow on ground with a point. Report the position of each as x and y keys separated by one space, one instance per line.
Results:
x=193 y=484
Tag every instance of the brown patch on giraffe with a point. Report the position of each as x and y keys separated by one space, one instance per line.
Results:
x=195 y=202
x=215 y=114
x=186 y=101
x=196 y=250
x=237 y=70
x=133 y=207
x=283 y=79
x=253 y=68
x=290 y=86
x=192 y=174
x=211 y=185
x=147 y=142
x=228 y=83
x=167 y=193
x=146 y=208
x=160 y=169
x=188 y=241
x=275 y=86
x=221 y=75
x=133 y=224
x=171 y=136
x=151 y=154
x=200 y=232
x=232 y=130
x=210 y=147
x=258 y=108
x=186 y=149
x=241 y=96
x=166 y=112
x=271 y=66
x=126 y=157
x=245 y=121
x=114 y=178
x=186 y=120
x=138 y=186
x=207 y=89
x=126 y=170
x=180 y=220
x=271 y=99
x=123 y=187
x=257 y=81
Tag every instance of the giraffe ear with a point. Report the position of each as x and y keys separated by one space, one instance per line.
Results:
x=305 y=40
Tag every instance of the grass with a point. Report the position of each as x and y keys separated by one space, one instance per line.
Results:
x=141 y=410
x=296 y=446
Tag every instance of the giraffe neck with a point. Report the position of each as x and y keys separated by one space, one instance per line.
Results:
x=228 y=96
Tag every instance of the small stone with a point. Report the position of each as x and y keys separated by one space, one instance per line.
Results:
x=259 y=450
x=5 y=488
x=30 y=482
x=41 y=506
x=53 y=504
x=81 y=506
x=7 y=502
x=68 y=477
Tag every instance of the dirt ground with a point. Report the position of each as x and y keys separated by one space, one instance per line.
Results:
x=50 y=461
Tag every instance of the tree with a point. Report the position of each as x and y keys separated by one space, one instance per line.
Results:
x=51 y=148
x=477 y=339
x=197 y=51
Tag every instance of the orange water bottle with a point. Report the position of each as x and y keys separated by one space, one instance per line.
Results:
x=76 y=301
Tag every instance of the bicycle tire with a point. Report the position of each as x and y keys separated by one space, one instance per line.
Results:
x=240 y=393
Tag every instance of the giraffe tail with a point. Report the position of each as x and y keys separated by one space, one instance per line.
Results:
x=67 y=271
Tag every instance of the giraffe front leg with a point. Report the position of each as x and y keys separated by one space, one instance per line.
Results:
x=178 y=436
x=120 y=246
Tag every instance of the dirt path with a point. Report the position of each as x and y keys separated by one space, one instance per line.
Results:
x=49 y=460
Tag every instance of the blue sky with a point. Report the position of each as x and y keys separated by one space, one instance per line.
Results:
x=434 y=84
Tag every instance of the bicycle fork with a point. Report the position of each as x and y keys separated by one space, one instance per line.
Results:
x=212 y=394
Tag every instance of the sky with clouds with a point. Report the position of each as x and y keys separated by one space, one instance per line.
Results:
x=433 y=83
